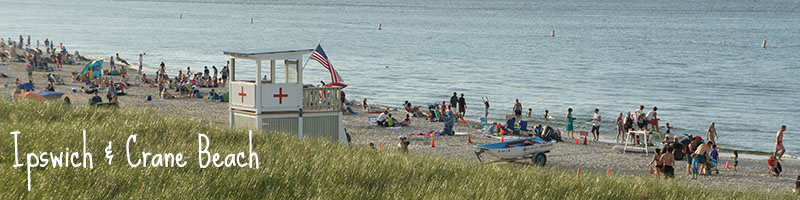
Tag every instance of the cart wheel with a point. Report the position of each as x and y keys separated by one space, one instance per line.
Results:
x=540 y=159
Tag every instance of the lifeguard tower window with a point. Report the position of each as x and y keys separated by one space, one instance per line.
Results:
x=245 y=70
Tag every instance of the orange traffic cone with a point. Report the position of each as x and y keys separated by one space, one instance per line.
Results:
x=502 y=138
x=433 y=142
x=577 y=141
x=579 y=172
x=651 y=170
x=380 y=146
x=608 y=172
x=728 y=164
x=469 y=139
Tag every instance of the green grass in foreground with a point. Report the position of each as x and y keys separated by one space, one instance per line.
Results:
x=289 y=168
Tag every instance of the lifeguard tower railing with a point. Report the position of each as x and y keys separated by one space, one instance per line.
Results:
x=322 y=99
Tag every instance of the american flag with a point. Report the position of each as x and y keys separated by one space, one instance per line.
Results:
x=319 y=56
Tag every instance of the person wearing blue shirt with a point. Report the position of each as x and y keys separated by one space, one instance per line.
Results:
x=96 y=99
x=715 y=156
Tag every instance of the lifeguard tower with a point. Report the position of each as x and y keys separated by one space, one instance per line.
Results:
x=285 y=105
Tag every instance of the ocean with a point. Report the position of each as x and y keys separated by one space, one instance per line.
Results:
x=697 y=61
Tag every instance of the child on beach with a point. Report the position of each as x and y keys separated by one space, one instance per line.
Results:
x=796 y=184
x=714 y=157
x=735 y=160
x=774 y=166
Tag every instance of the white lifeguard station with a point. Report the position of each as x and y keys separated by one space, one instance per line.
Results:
x=287 y=105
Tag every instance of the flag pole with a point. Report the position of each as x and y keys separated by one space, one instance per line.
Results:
x=312 y=53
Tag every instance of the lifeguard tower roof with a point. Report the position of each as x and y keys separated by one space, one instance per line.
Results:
x=263 y=52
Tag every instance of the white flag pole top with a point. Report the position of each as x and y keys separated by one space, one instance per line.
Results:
x=309 y=57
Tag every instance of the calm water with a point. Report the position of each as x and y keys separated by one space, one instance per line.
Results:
x=697 y=61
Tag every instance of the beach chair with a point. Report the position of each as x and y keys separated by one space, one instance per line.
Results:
x=584 y=136
x=510 y=126
x=523 y=126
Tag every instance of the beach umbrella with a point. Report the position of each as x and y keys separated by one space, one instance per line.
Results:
x=335 y=85
x=94 y=68
x=31 y=95
x=50 y=95
x=25 y=86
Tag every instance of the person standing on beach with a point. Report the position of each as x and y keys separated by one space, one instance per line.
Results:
x=517 y=108
x=711 y=133
x=225 y=74
x=656 y=160
x=214 y=67
x=700 y=159
x=596 y=124
x=652 y=119
x=667 y=161
x=620 y=127
x=140 y=63
x=462 y=106
x=453 y=101
x=779 y=142
x=570 y=119
x=485 y=109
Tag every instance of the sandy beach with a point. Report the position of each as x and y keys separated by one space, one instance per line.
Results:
x=595 y=157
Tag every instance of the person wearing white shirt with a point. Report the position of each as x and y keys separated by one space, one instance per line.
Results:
x=652 y=119
x=639 y=118
x=596 y=124
x=382 y=118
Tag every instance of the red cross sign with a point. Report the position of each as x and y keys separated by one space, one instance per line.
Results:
x=242 y=94
x=280 y=95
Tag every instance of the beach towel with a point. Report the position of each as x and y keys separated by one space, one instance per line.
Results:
x=373 y=120
x=432 y=133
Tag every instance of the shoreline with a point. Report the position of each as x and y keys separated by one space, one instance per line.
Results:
x=595 y=157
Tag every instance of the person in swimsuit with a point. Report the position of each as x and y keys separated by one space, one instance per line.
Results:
x=700 y=158
x=774 y=165
x=570 y=119
x=517 y=108
x=712 y=133
x=485 y=108
x=668 y=160
x=657 y=160
x=779 y=142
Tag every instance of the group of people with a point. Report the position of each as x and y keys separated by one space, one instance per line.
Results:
x=188 y=84
x=36 y=59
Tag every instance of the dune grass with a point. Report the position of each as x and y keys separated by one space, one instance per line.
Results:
x=289 y=168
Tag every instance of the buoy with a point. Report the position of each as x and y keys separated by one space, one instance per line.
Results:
x=728 y=164
x=579 y=172
x=553 y=33
x=433 y=141
x=502 y=138
x=251 y=20
x=379 y=26
x=380 y=147
x=469 y=139
x=764 y=44
x=651 y=170
x=608 y=172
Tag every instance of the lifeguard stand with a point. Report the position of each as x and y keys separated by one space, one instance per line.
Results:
x=285 y=106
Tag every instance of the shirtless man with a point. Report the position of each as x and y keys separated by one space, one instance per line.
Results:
x=668 y=160
x=779 y=142
x=712 y=133
x=700 y=159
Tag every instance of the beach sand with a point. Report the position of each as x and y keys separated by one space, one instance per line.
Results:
x=594 y=158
